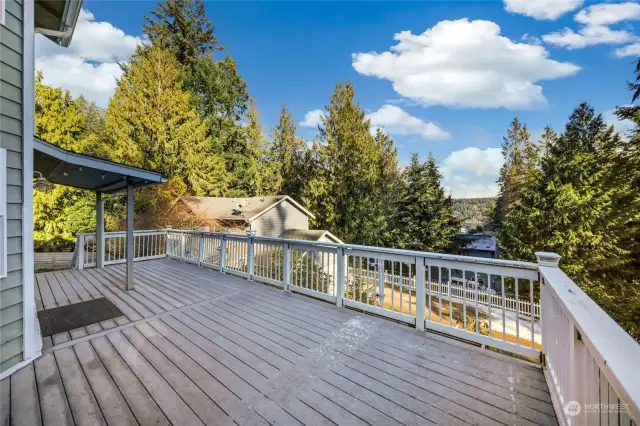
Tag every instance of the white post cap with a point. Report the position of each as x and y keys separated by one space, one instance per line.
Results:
x=547 y=259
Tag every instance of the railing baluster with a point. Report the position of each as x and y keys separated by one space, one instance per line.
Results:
x=420 y=293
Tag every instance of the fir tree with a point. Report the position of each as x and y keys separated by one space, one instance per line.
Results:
x=286 y=155
x=182 y=27
x=511 y=177
x=154 y=125
x=424 y=218
x=344 y=190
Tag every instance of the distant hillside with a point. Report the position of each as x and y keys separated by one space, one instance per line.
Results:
x=473 y=211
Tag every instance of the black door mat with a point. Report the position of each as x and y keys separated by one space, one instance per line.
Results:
x=69 y=317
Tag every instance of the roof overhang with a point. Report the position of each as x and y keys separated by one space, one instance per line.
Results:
x=57 y=19
x=64 y=167
x=283 y=199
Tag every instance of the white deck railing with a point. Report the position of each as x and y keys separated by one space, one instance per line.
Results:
x=589 y=360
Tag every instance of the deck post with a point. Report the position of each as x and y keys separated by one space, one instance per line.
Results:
x=250 y=259
x=80 y=250
x=130 y=241
x=420 y=293
x=99 y=230
x=380 y=270
x=223 y=253
x=201 y=249
x=286 y=266
x=168 y=242
x=182 y=247
x=340 y=262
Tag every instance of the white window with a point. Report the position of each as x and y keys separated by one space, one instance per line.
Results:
x=3 y=213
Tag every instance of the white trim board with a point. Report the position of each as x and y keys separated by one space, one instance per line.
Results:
x=31 y=336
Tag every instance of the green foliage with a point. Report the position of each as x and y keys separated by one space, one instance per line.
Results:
x=287 y=156
x=424 y=218
x=579 y=198
x=473 y=210
x=63 y=212
x=182 y=27
x=344 y=187
x=153 y=125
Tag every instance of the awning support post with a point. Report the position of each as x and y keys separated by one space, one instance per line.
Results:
x=99 y=230
x=130 y=237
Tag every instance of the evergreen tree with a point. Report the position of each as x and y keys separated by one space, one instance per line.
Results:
x=389 y=181
x=584 y=204
x=343 y=190
x=182 y=27
x=287 y=155
x=154 y=125
x=424 y=218
x=511 y=178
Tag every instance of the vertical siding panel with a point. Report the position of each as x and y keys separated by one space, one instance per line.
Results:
x=11 y=325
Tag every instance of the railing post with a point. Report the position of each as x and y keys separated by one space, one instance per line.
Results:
x=167 y=242
x=182 y=247
x=548 y=260
x=80 y=251
x=420 y=294
x=250 y=259
x=286 y=266
x=380 y=270
x=340 y=277
x=223 y=253
x=201 y=250
x=99 y=230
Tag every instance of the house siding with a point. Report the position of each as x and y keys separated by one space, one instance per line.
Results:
x=280 y=218
x=11 y=115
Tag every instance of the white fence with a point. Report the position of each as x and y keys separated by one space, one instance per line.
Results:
x=591 y=364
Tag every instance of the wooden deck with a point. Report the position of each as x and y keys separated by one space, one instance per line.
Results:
x=198 y=347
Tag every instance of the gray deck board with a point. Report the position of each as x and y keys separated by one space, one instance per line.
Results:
x=5 y=402
x=113 y=405
x=25 y=405
x=84 y=406
x=53 y=399
x=198 y=347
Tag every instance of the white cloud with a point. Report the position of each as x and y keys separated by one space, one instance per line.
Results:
x=542 y=9
x=607 y=14
x=630 y=50
x=472 y=164
x=89 y=66
x=396 y=121
x=465 y=63
x=95 y=82
x=624 y=127
x=588 y=36
x=312 y=118
x=463 y=190
x=475 y=161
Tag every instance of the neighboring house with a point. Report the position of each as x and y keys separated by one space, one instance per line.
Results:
x=269 y=216
x=19 y=21
x=310 y=235
x=480 y=246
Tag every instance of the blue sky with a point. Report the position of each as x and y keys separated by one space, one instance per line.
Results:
x=451 y=91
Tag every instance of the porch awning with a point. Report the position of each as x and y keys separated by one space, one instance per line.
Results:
x=64 y=167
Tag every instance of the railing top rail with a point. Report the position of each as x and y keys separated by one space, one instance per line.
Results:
x=400 y=252
x=141 y=231
x=616 y=352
